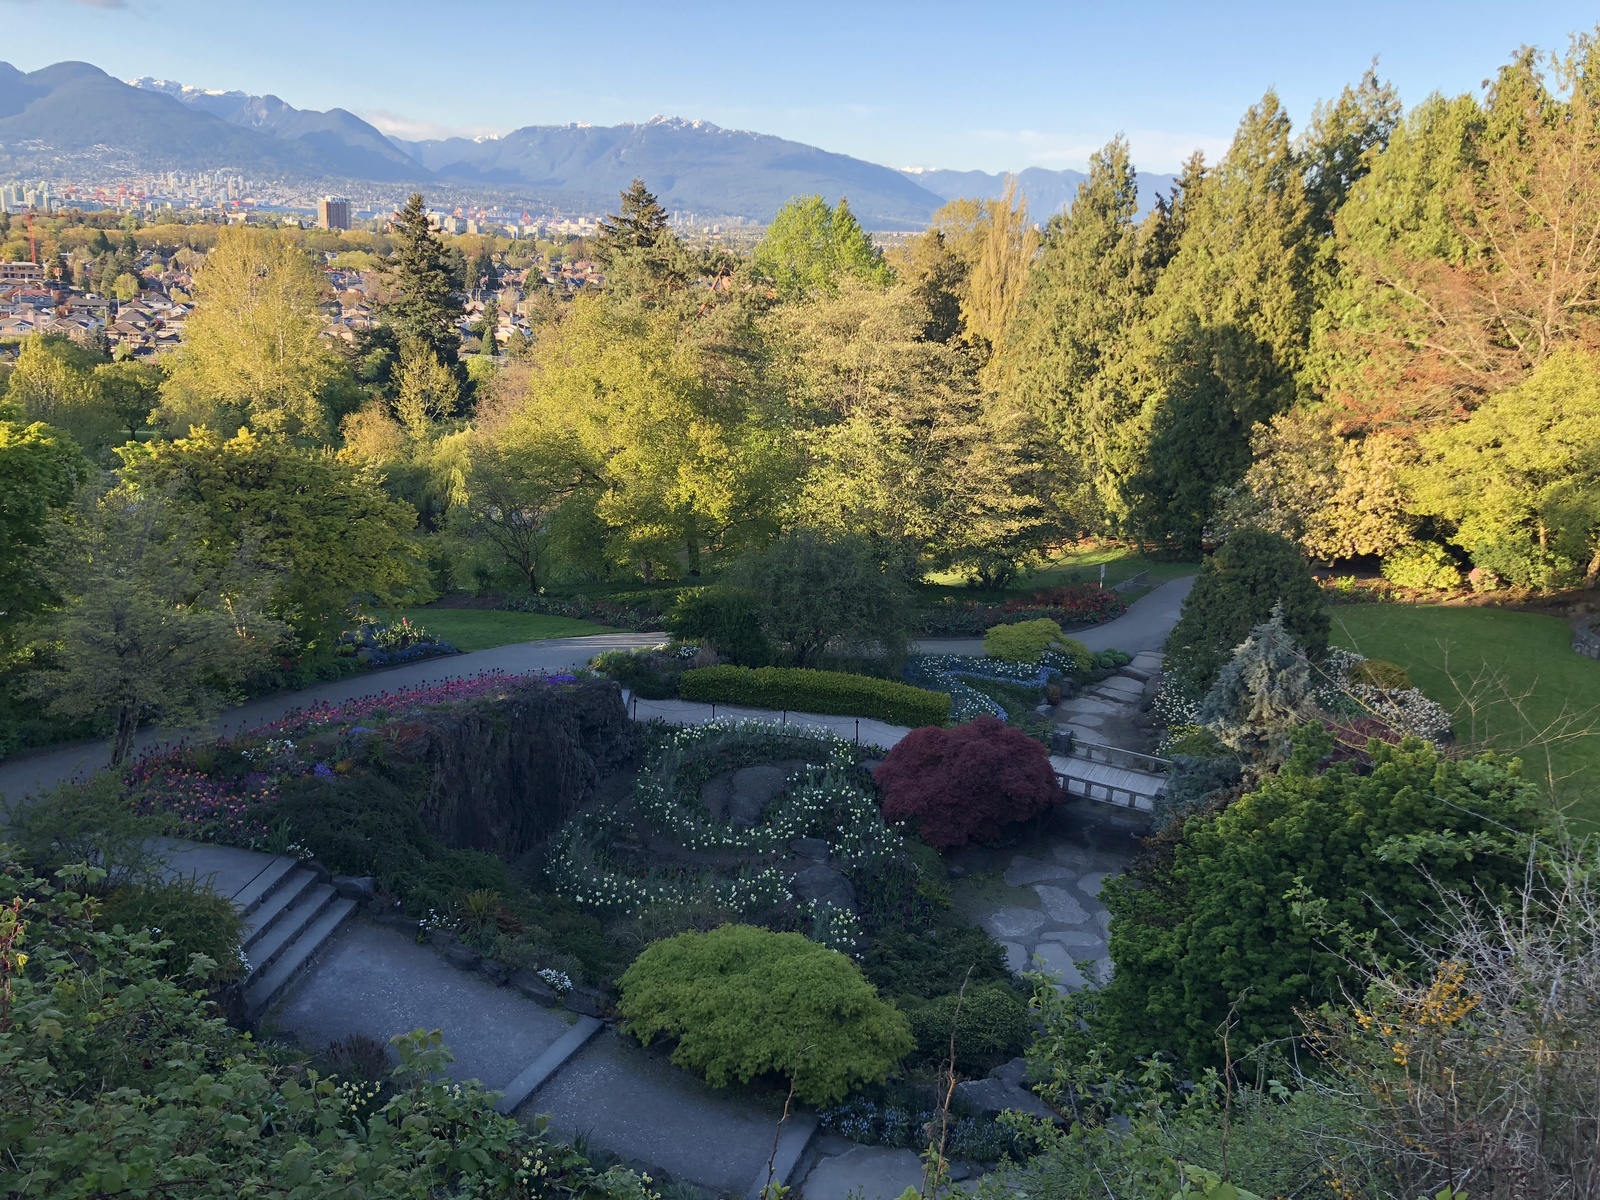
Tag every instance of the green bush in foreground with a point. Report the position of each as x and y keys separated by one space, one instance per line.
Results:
x=802 y=690
x=743 y=1002
x=187 y=914
x=115 y=1080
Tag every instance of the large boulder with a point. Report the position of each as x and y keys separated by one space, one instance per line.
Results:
x=505 y=771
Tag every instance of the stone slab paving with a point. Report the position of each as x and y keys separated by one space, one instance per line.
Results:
x=227 y=869
x=864 y=1172
x=1040 y=898
x=378 y=981
x=634 y=1103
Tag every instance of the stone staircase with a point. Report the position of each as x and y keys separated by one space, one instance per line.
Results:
x=288 y=914
x=1094 y=768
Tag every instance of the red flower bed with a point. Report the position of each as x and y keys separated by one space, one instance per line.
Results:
x=969 y=782
x=1078 y=601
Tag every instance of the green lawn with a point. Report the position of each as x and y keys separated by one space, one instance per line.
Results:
x=1080 y=564
x=481 y=628
x=1510 y=679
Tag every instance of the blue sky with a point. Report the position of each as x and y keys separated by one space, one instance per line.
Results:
x=931 y=84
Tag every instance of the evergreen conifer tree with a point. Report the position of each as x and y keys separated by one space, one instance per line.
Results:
x=1262 y=695
x=1230 y=319
x=427 y=282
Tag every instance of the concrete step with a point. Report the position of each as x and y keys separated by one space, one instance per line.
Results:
x=249 y=897
x=296 y=919
x=264 y=987
x=276 y=903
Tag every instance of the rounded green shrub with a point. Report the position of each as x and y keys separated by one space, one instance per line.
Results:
x=188 y=914
x=1236 y=590
x=1424 y=566
x=742 y=1002
x=728 y=618
x=992 y=1026
x=1028 y=641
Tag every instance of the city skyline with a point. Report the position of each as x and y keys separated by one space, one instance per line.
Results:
x=899 y=85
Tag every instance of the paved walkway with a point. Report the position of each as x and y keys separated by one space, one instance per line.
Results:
x=35 y=773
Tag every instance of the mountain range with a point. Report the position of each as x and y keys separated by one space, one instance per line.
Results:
x=76 y=109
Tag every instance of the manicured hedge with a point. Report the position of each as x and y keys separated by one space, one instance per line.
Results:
x=804 y=690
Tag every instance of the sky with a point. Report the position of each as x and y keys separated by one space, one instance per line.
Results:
x=969 y=86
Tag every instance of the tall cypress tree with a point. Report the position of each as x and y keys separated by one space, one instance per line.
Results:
x=1062 y=358
x=427 y=282
x=1230 y=319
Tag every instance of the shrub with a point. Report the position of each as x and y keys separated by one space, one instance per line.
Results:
x=188 y=914
x=1031 y=640
x=993 y=1026
x=648 y=674
x=742 y=1002
x=969 y=782
x=1378 y=673
x=1236 y=591
x=728 y=618
x=1422 y=565
x=929 y=963
x=803 y=690
x=1259 y=898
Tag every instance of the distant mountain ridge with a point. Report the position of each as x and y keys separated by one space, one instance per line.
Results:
x=77 y=109
x=337 y=137
x=690 y=165
x=1047 y=192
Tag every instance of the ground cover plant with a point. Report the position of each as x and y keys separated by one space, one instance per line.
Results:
x=1509 y=680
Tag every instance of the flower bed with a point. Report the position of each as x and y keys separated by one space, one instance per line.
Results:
x=822 y=801
x=225 y=790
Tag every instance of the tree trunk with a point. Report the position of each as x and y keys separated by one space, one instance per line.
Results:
x=122 y=739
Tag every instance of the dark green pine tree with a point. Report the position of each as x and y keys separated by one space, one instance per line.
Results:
x=426 y=279
x=639 y=252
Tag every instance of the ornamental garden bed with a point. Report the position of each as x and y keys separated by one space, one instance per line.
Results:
x=527 y=826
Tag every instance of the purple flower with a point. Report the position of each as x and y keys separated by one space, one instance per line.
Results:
x=322 y=771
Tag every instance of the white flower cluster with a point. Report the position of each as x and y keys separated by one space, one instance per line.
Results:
x=834 y=927
x=1408 y=712
x=560 y=982
x=274 y=752
x=1175 y=705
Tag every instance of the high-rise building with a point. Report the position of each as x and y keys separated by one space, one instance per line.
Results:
x=333 y=212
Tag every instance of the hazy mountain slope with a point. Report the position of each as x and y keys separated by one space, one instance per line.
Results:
x=342 y=141
x=74 y=106
x=690 y=165
x=1047 y=191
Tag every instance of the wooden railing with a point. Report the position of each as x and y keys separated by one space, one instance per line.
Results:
x=1106 y=793
x=1115 y=756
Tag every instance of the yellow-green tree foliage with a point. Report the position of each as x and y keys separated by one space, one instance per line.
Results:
x=327 y=535
x=667 y=429
x=252 y=350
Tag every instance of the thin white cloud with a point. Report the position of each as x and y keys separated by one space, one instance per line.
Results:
x=1152 y=149
x=412 y=130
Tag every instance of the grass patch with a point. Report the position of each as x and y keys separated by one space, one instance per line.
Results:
x=1078 y=564
x=1510 y=680
x=481 y=628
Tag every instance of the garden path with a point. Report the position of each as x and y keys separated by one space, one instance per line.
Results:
x=32 y=774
